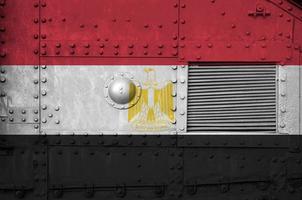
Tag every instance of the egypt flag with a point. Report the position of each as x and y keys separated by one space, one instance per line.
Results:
x=150 y=99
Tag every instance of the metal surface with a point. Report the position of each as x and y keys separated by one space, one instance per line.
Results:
x=176 y=32
x=232 y=98
x=74 y=167
x=121 y=91
x=19 y=101
x=74 y=101
x=60 y=139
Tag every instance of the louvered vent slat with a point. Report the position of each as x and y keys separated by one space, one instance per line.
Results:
x=231 y=98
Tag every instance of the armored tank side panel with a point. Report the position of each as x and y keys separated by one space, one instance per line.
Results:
x=153 y=99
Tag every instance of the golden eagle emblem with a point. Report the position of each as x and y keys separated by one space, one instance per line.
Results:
x=154 y=110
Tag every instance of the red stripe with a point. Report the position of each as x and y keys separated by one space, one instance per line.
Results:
x=156 y=32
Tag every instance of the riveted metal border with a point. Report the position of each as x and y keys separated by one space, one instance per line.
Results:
x=288 y=100
x=182 y=94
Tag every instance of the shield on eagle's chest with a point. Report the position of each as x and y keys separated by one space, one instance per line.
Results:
x=154 y=110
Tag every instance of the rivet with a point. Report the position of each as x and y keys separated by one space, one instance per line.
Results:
x=23 y=112
x=44 y=107
x=44 y=93
x=2 y=54
x=283 y=110
x=2 y=79
x=57 y=122
x=44 y=121
x=44 y=80
x=57 y=108
x=72 y=45
x=43 y=52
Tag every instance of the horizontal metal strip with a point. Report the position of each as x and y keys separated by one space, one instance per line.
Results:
x=207 y=97
x=231 y=111
x=230 y=83
x=231 y=121
x=240 y=74
x=226 y=70
x=231 y=106
x=271 y=129
x=231 y=99
x=231 y=76
x=202 y=80
x=222 y=117
x=234 y=67
x=265 y=124
x=194 y=90
x=230 y=92
x=230 y=102
x=201 y=86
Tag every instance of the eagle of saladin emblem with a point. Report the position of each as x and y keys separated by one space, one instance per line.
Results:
x=154 y=110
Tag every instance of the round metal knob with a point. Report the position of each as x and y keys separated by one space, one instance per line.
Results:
x=122 y=90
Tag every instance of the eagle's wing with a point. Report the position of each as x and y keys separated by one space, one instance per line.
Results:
x=137 y=108
x=163 y=97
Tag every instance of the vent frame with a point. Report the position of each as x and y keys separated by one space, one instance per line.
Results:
x=272 y=82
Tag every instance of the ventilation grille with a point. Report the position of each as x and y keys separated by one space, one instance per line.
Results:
x=231 y=98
